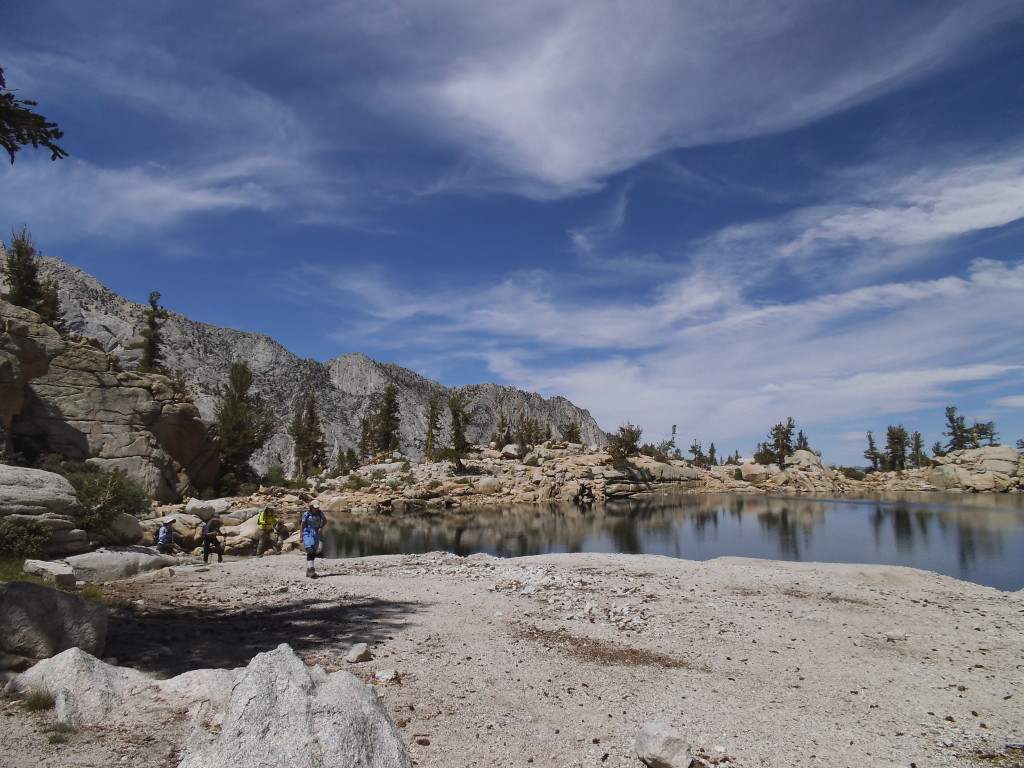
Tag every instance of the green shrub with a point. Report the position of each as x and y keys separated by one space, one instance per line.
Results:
x=355 y=482
x=37 y=700
x=104 y=494
x=58 y=733
x=853 y=473
x=275 y=476
x=22 y=540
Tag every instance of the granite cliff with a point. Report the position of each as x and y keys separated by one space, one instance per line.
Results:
x=346 y=388
x=65 y=395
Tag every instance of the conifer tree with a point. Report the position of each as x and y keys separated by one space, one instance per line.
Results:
x=308 y=436
x=712 y=455
x=244 y=422
x=896 y=448
x=151 y=343
x=460 y=418
x=24 y=289
x=956 y=431
x=872 y=454
x=435 y=409
x=571 y=432
x=917 y=454
x=385 y=423
x=20 y=126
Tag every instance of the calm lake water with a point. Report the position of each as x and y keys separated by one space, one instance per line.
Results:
x=977 y=538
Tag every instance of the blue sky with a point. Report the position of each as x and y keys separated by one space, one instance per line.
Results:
x=708 y=214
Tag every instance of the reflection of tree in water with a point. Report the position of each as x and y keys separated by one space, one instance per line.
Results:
x=910 y=529
x=690 y=527
x=973 y=542
x=903 y=530
x=787 y=529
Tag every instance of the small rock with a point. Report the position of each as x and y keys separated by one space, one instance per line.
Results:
x=387 y=677
x=359 y=652
x=895 y=636
x=661 y=746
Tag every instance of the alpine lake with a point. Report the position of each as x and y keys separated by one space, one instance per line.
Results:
x=975 y=537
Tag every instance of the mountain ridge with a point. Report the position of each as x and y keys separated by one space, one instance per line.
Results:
x=346 y=387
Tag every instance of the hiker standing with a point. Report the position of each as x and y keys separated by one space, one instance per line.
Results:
x=313 y=521
x=211 y=530
x=268 y=526
x=165 y=538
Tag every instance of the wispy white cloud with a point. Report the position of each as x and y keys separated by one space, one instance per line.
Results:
x=569 y=93
x=1013 y=401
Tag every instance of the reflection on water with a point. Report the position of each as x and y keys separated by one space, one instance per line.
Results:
x=976 y=538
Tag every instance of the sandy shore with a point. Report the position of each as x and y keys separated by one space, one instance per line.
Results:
x=559 y=660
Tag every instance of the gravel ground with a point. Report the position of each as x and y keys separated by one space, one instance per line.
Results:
x=559 y=660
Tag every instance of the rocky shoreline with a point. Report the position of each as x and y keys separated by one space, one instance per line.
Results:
x=568 y=473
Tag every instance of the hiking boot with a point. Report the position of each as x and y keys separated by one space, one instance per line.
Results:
x=310 y=573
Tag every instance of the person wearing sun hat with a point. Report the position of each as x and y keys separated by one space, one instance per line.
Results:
x=268 y=523
x=313 y=522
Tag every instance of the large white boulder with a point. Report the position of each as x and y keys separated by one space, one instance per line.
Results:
x=38 y=622
x=116 y=563
x=34 y=492
x=282 y=713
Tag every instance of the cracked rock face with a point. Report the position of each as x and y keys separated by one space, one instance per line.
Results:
x=68 y=396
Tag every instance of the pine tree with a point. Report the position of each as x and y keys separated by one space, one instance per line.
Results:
x=697 y=451
x=24 y=288
x=917 y=454
x=346 y=461
x=151 y=343
x=435 y=410
x=801 y=441
x=872 y=454
x=781 y=440
x=460 y=418
x=502 y=434
x=625 y=444
x=896 y=448
x=571 y=432
x=712 y=455
x=956 y=431
x=527 y=433
x=244 y=422
x=308 y=436
x=386 y=422
x=20 y=126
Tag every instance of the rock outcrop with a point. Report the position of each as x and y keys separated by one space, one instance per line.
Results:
x=997 y=468
x=67 y=396
x=346 y=388
x=32 y=495
x=274 y=712
x=117 y=563
x=38 y=622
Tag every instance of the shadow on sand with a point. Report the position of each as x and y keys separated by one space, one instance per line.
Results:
x=169 y=640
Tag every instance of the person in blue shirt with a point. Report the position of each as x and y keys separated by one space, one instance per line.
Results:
x=165 y=538
x=313 y=522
